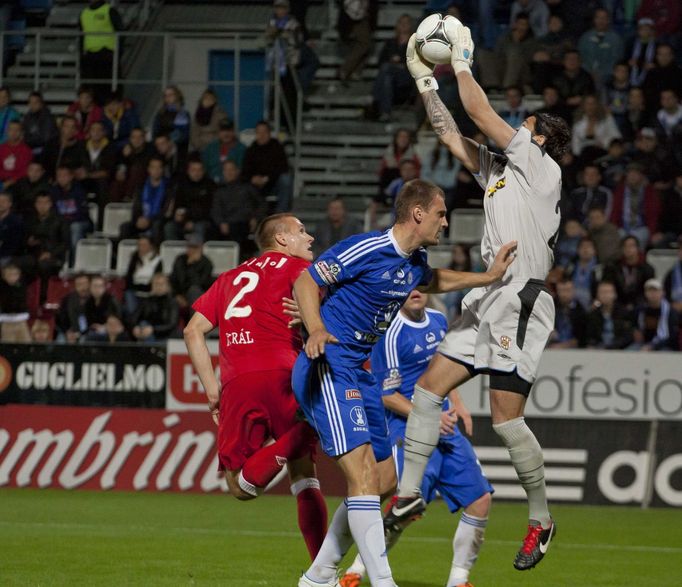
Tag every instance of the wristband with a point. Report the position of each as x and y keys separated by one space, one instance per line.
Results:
x=460 y=66
x=426 y=84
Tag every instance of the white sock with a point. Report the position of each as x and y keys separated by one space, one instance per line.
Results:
x=421 y=437
x=247 y=487
x=357 y=566
x=336 y=544
x=526 y=456
x=301 y=484
x=466 y=545
x=367 y=527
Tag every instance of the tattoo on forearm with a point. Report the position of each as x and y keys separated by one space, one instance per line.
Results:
x=440 y=117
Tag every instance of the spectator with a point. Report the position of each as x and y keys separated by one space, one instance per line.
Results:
x=97 y=56
x=13 y=307
x=191 y=275
x=402 y=147
x=120 y=118
x=15 y=155
x=556 y=41
x=583 y=273
x=629 y=273
x=636 y=206
x=11 y=230
x=68 y=197
x=573 y=82
x=642 y=51
x=608 y=324
x=538 y=15
x=208 y=118
x=38 y=124
x=355 y=31
x=637 y=116
x=85 y=112
x=669 y=117
x=41 y=331
x=409 y=170
x=590 y=195
x=267 y=169
x=553 y=104
x=66 y=150
x=673 y=281
x=614 y=163
x=666 y=16
x=131 y=168
x=156 y=318
x=149 y=204
x=594 y=130
x=616 y=94
x=669 y=225
x=190 y=208
x=70 y=320
x=7 y=113
x=168 y=151
x=99 y=306
x=393 y=83
x=226 y=146
x=657 y=322
x=665 y=75
x=47 y=242
x=566 y=249
x=513 y=53
x=604 y=235
x=442 y=168
x=114 y=331
x=600 y=48
x=237 y=207
x=514 y=111
x=172 y=119
x=569 y=319
x=336 y=226
x=27 y=188
x=144 y=264
x=100 y=164
x=653 y=158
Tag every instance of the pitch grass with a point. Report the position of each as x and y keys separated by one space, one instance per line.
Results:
x=53 y=537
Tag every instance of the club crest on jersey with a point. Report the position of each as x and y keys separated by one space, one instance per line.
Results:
x=357 y=416
x=353 y=394
x=505 y=342
x=499 y=184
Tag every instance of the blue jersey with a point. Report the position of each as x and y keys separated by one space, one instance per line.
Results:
x=368 y=278
x=402 y=356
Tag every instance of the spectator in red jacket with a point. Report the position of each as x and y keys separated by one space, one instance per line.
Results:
x=15 y=155
x=636 y=205
x=666 y=15
x=85 y=111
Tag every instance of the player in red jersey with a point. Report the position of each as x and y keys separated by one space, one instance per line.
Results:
x=254 y=403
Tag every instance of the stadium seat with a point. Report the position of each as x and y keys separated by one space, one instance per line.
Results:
x=169 y=251
x=115 y=214
x=223 y=254
x=93 y=255
x=116 y=287
x=57 y=288
x=439 y=257
x=124 y=252
x=662 y=260
x=33 y=297
x=466 y=225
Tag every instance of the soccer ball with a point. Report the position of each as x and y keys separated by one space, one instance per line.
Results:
x=434 y=36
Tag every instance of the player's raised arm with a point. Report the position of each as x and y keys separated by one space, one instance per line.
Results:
x=442 y=122
x=195 y=338
x=307 y=294
x=473 y=97
x=445 y=280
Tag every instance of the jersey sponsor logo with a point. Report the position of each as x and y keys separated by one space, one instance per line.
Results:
x=353 y=394
x=357 y=416
x=393 y=381
x=505 y=342
x=239 y=338
x=328 y=273
x=499 y=184
x=366 y=337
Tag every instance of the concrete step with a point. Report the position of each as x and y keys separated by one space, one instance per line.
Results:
x=47 y=57
x=333 y=113
x=340 y=177
x=329 y=191
x=340 y=164
x=64 y=71
x=318 y=205
x=334 y=152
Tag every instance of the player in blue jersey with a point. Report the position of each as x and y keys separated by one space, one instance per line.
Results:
x=367 y=279
x=397 y=361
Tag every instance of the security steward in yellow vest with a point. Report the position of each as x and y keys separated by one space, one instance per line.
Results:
x=97 y=56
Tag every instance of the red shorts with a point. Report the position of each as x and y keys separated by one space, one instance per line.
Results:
x=254 y=407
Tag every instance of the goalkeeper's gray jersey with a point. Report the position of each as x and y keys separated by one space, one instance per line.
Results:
x=521 y=201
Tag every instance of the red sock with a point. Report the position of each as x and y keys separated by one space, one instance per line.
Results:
x=263 y=466
x=312 y=513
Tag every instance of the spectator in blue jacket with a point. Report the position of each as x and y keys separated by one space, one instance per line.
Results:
x=226 y=148
x=71 y=205
x=120 y=118
x=173 y=119
x=7 y=113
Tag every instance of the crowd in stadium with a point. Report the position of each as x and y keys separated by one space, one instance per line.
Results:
x=610 y=69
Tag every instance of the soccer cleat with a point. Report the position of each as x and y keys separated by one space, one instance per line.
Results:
x=350 y=580
x=304 y=581
x=535 y=545
x=401 y=512
x=467 y=584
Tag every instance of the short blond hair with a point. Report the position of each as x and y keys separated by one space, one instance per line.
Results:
x=269 y=227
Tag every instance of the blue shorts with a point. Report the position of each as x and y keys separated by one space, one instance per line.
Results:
x=339 y=403
x=453 y=471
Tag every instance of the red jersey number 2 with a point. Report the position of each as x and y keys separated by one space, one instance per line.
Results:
x=233 y=310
